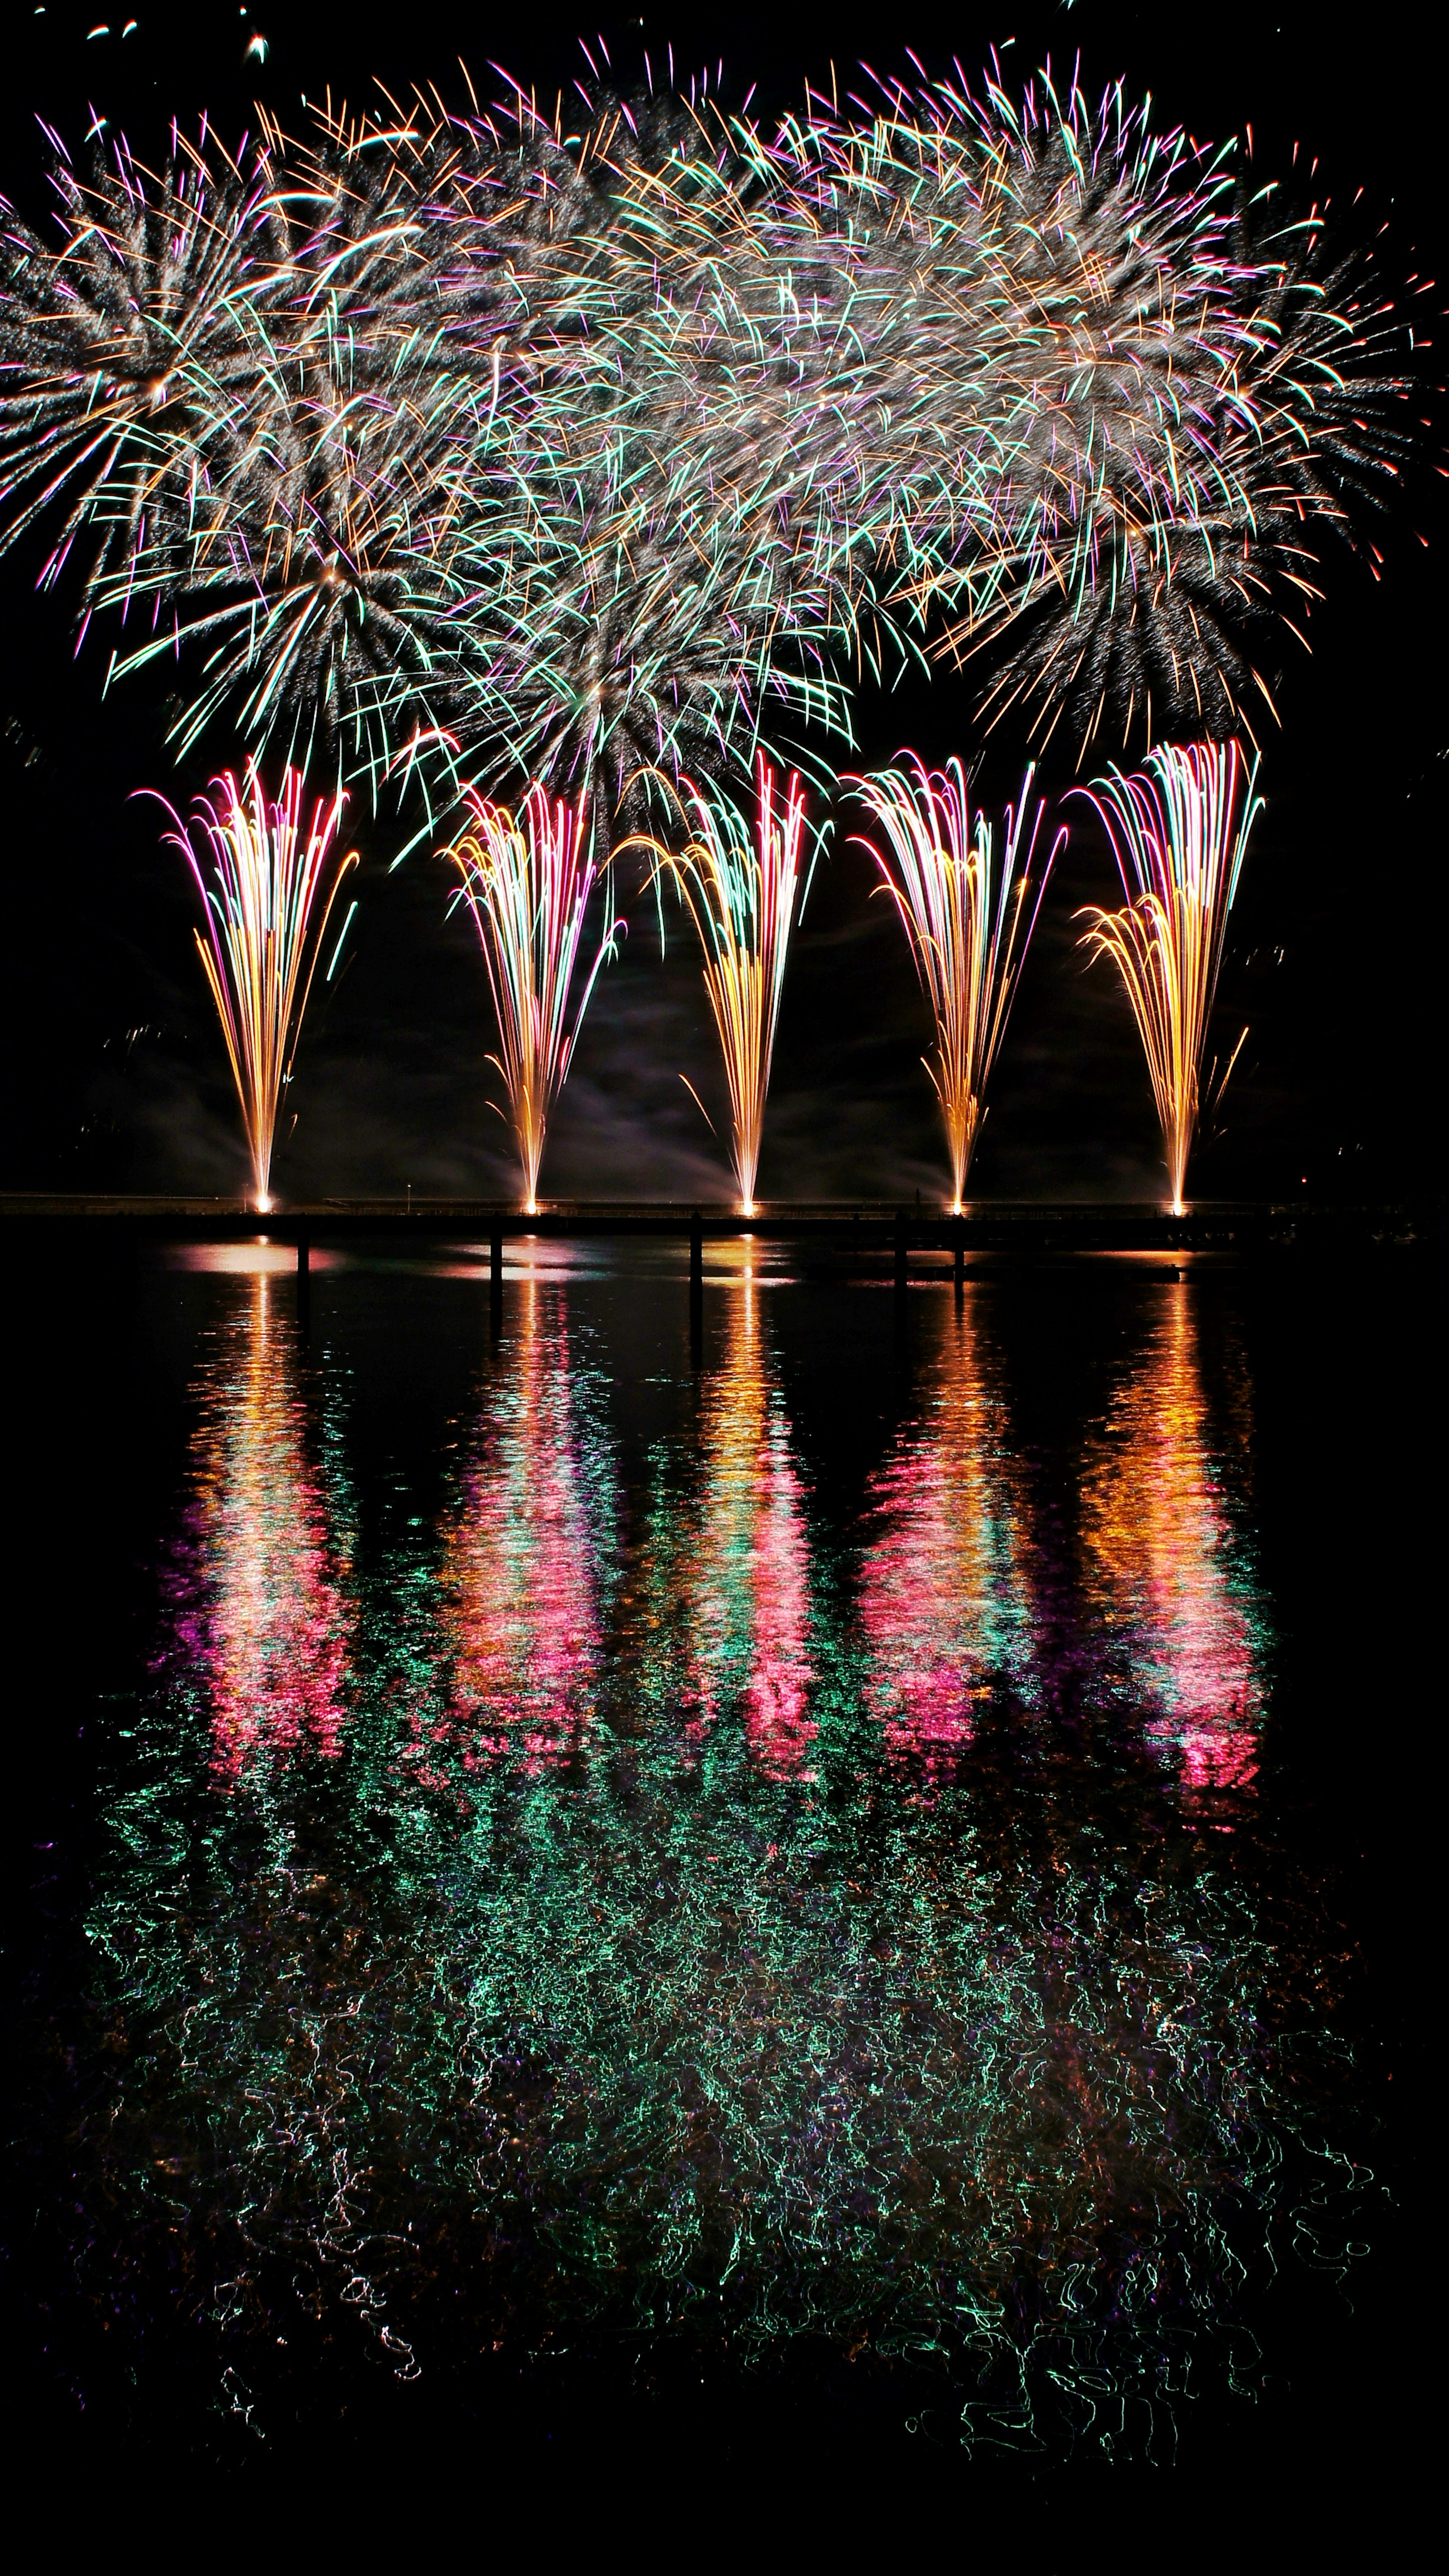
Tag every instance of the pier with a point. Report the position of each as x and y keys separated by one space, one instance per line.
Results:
x=896 y=1238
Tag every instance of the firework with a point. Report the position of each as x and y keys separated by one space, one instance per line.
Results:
x=741 y=886
x=624 y=445
x=1163 y=574
x=526 y=880
x=969 y=919
x=313 y=592
x=127 y=362
x=1097 y=420
x=262 y=878
x=1179 y=830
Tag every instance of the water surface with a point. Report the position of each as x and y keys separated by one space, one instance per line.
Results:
x=576 y=1883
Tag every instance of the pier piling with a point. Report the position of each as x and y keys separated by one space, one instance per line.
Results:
x=696 y=1286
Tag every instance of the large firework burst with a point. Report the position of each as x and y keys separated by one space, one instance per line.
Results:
x=630 y=444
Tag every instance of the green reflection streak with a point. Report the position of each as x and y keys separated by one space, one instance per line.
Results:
x=687 y=2008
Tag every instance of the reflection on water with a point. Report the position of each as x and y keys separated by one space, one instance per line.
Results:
x=1168 y=1567
x=258 y=1584
x=744 y=1575
x=721 y=1622
x=943 y=1595
x=615 y=1983
x=520 y=1561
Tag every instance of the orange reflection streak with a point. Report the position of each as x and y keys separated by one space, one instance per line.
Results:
x=518 y=1565
x=942 y=1596
x=750 y=1575
x=272 y=1638
x=1163 y=1563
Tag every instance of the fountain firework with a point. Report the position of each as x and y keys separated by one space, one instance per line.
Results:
x=526 y=880
x=968 y=920
x=264 y=930
x=741 y=887
x=1179 y=843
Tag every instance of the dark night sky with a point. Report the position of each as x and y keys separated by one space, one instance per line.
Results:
x=114 y=1073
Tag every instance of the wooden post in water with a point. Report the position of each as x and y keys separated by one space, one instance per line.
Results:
x=901 y=1304
x=696 y=1288
x=495 y=1274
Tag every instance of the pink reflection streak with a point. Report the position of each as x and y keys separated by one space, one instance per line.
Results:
x=941 y=1590
x=751 y=1578
x=1160 y=1557
x=518 y=1572
x=271 y=1632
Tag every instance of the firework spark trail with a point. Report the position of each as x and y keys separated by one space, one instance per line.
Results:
x=969 y=921
x=606 y=448
x=1071 y=390
x=316 y=581
x=741 y=886
x=1179 y=841
x=264 y=930
x=127 y=362
x=526 y=880
x=229 y=379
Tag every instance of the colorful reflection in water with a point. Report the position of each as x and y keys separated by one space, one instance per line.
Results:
x=1168 y=1566
x=258 y=1585
x=720 y=1640
x=611 y=1986
x=520 y=1564
x=943 y=1590
x=744 y=1576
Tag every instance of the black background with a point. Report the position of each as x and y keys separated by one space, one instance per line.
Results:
x=114 y=1074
